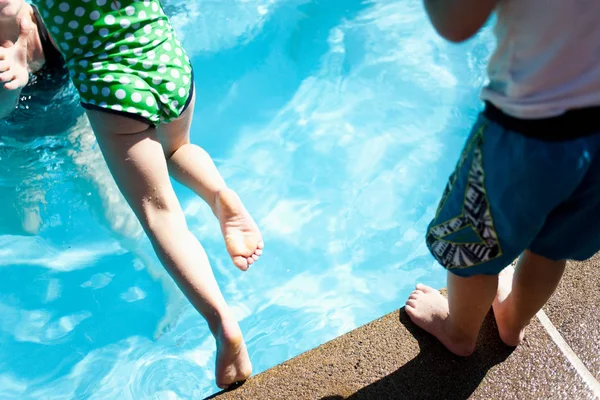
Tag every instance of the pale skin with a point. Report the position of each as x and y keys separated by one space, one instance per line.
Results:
x=142 y=159
x=20 y=51
x=515 y=295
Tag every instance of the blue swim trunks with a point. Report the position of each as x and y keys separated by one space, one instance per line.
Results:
x=513 y=191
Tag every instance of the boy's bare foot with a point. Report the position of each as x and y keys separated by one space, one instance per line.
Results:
x=428 y=309
x=242 y=237
x=510 y=335
x=233 y=364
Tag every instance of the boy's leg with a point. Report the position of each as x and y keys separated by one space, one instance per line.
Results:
x=486 y=218
x=136 y=160
x=454 y=322
x=523 y=292
x=194 y=168
x=463 y=237
x=570 y=231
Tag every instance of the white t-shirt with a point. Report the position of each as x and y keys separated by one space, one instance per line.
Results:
x=547 y=59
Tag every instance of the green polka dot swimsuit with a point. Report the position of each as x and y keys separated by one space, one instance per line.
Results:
x=123 y=56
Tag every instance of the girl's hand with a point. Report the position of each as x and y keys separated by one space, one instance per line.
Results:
x=14 y=68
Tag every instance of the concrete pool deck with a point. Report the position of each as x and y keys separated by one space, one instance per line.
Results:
x=391 y=358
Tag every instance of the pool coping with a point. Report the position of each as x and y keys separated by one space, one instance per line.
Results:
x=391 y=358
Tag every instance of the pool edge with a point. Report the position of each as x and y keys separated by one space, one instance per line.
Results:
x=391 y=358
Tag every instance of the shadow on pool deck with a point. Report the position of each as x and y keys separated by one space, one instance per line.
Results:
x=447 y=376
x=391 y=358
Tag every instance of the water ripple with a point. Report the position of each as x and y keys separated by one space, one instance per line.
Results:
x=356 y=116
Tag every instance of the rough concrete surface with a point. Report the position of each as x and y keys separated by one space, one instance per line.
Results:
x=574 y=310
x=391 y=358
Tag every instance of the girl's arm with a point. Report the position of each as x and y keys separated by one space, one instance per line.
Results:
x=458 y=20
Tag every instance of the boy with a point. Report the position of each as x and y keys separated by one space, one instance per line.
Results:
x=528 y=181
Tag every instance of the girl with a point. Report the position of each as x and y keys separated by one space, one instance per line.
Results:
x=136 y=84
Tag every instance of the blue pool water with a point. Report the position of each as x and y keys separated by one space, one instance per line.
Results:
x=337 y=122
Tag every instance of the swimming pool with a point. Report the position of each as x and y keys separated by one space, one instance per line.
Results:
x=337 y=122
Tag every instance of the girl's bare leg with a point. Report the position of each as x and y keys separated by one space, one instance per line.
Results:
x=137 y=162
x=194 y=168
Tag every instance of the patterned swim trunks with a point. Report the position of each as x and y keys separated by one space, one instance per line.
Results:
x=512 y=192
x=123 y=56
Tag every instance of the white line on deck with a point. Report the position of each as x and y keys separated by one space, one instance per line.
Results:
x=583 y=372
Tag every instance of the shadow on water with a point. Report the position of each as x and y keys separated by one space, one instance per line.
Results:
x=435 y=373
x=249 y=83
